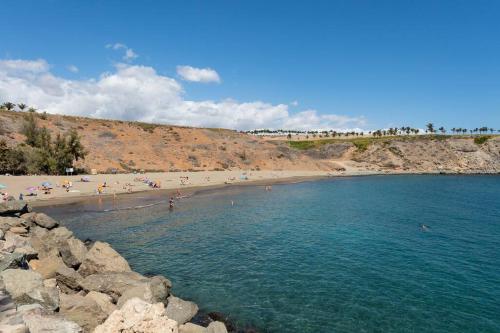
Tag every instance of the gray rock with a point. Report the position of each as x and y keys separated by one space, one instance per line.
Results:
x=102 y=258
x=14 y=242
x=155 y=290
x=27 y=287
x=11 y=260
x=48 y=243
x=113 y=284
x=38 y=323
x=73 y=252
x=68 y=279
x=82 y=310
x=44 y=220
x=192 y=328
x=180 y=310
x=216 y=327
x=14 y=207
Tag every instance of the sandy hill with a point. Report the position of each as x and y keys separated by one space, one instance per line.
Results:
x=128 y=146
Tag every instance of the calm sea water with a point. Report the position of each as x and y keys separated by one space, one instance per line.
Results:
x=341 y=255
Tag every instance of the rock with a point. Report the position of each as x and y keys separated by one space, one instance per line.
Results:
x=2 y=234
x=82 y=310
x=47 y=267
x=19 y=230
x=68 y=279
x=73 y=252
x=216 y=327
x=48 y=243
x=50 y=283
x=104 y=301
x=137 y=316
x=192 y=328
x=155 y=290
x=60 y=234
x=44 y=220
x=14 y=207
x=9 y=222
x=180 y=310
x=11 y=260
x=113 y=284
x=26 y=287
x=102 y=258
x=38 y=323
x=19 y=244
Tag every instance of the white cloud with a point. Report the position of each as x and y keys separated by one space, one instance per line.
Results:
x=72 y=69
x=129 y=53
x=294 y=103
x=133 y=92
x=204 y=75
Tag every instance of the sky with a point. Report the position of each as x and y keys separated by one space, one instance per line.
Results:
x=257 y=64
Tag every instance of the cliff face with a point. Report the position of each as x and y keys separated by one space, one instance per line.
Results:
x=134 y=146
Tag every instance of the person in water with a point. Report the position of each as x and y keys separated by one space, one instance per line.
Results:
x=424 y=227
x=171 y=203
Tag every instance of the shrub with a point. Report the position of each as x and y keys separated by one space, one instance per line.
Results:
x=479 y=140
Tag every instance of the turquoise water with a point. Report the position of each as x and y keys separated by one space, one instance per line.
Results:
x=341 y=255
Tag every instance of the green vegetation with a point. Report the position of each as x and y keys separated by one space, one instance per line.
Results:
x=479 y=140
x=39 y=153
x=147 y=127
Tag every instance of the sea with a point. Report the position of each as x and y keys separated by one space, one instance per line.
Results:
x=412 y=253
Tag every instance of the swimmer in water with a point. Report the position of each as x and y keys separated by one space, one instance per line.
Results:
x=171 y=203
x=424 y=227
x=232 y=203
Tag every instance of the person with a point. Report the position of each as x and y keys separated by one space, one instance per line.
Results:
x=21 y=197
x=171 y=203
x=424 y=227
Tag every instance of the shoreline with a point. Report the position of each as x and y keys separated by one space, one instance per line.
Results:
x=61 y=197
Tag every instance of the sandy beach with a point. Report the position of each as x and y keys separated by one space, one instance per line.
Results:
x=132 y=183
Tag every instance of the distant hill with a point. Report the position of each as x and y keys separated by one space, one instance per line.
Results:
x=128 y=146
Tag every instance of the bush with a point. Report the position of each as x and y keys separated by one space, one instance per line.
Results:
x=479 y=140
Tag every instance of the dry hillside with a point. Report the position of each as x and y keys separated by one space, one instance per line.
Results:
x=133 y=146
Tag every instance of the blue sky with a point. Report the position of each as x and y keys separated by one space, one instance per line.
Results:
x=374 y=63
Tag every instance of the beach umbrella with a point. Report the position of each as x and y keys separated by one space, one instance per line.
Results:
x=2 y=186
x=46 y=184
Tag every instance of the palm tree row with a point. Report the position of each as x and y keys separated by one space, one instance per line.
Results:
x=21 y=107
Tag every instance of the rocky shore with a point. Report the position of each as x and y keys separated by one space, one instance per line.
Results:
x=51 y=281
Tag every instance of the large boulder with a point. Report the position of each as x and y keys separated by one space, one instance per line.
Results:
x=14 y=207
x=216 y=327
x=104 y=301
x=137 y=316
x=113 y=284
x=101 y=258
x=192 y=328
x=47 y=267
x=19 y=244
x=73 y=252
x=40 y=323
x=27 y=287
x=48 y=242
x=11 y=260
x=154 y=290
x=82 y=310
x=68 y=279
x=180 y=310
x=43 y=220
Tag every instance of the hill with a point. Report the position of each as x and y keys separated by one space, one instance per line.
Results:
x=128 y=146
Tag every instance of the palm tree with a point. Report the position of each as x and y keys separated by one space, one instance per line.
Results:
x=442 y=130
x=430 y=127
x=32 y=109
x=75 y=147
x=9 y=106
x=21 y=106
